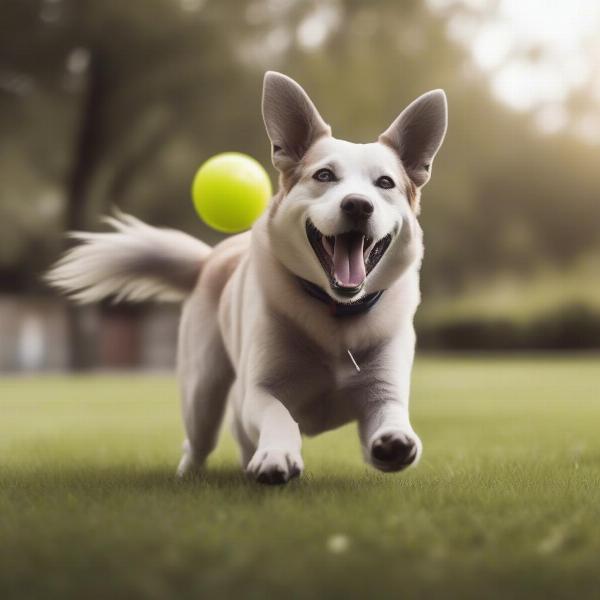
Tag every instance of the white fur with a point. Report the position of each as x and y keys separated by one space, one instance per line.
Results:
x=250 y=335
x=136 y=262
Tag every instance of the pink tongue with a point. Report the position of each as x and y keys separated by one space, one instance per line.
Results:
x=348 y=261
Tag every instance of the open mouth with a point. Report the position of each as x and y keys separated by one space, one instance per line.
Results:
x=346 y=258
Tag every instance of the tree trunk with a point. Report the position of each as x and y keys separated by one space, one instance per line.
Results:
x=80 y=338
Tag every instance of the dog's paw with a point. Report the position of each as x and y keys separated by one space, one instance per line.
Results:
x=187 y=467
x=274 y=466
x=394 y=450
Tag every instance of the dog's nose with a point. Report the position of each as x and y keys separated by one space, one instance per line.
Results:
x=357 y=207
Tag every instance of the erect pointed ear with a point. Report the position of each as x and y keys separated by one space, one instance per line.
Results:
x=418 y=133
x=291 y=119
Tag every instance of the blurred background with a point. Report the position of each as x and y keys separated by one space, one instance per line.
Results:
x=106 y=102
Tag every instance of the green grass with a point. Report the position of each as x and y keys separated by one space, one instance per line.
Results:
x=506 y=502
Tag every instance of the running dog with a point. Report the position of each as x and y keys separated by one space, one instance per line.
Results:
x=304 y=323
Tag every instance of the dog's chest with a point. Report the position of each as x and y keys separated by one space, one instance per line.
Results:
x=321 y=390
x=319 y=398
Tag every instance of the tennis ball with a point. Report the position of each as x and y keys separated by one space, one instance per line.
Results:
x=230 y=191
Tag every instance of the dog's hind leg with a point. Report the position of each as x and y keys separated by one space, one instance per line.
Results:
x=205 y=376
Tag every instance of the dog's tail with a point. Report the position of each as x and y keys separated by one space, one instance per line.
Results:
x=135 y=262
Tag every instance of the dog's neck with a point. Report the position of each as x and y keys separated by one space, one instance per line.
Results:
x=341 y=309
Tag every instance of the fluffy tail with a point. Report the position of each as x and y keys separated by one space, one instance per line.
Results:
x=135 y=262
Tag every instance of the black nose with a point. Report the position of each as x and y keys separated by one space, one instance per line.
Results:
x=357 y=207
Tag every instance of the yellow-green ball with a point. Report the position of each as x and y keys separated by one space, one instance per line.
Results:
x=230 y=191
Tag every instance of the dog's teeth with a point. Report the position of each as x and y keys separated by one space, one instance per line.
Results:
x=327 y=245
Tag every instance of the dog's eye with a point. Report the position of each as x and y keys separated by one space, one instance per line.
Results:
x=325 y=175
x=385 y=182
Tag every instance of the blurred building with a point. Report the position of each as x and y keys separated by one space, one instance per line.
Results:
x=34 y=336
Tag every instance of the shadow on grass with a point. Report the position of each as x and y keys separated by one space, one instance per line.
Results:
x=230 y=478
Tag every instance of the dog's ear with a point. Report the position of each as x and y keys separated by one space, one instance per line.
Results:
x=418 y=133
x=291 y=119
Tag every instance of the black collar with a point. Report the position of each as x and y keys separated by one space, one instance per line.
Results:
x=341 y=309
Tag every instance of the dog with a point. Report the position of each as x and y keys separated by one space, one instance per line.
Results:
x=304 y=323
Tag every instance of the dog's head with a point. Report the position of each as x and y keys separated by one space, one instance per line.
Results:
x=345 y=214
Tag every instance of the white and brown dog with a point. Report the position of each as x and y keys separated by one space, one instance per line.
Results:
x=305 y=322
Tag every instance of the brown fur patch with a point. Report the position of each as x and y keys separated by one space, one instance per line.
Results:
x=413 y=193
x=289 y=177
x=414 y=196
x=276 y=200
x=222 y=263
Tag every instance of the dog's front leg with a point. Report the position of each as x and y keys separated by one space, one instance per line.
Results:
x=270 y=426
x=388 y=440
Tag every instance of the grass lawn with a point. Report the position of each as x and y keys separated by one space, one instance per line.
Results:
x=505 y=503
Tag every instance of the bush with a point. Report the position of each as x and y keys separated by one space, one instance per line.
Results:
x=571 y=327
